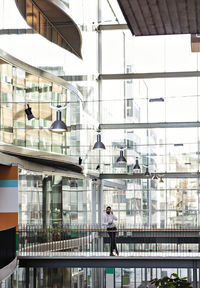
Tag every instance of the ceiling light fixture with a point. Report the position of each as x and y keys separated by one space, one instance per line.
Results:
x=155 y=177
x=99 y=145
x=136 y=167
x=161 y=180
x=29 y=113
x=121 y=159
x=58 y=126
x=147 y=174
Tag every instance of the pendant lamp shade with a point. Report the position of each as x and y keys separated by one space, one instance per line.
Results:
x=99 y=145
x=29 y=113
x=147 y=172
x=161 y=180
x=136 y=167
x=121 y=159
x=155 y=177
x=58 y=126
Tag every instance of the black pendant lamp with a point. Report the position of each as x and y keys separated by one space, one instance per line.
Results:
x=147 y=174
x=161 y=180
x=136 y=167
x=121 y=159
x=58 y=126
x=99 y=145
x=155 y=177
x=29 y=113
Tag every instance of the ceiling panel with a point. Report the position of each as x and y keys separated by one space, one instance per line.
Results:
x=153 y=17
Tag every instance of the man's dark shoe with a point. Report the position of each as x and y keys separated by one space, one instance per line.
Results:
x=117 y=252
x=111 y=254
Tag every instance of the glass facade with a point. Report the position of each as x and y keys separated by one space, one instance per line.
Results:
x=53 y=201
x=164 y=150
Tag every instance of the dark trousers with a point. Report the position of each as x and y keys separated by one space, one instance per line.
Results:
x=112 y=239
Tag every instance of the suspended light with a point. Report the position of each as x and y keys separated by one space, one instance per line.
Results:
x=121 y=159
x=161 y=180
x=29 y=113
x=147 y=172
x=136 y=168
x=58 y=126
x=99 y=145
x=155 y=177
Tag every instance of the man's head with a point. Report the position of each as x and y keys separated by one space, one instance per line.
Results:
x=108 y=209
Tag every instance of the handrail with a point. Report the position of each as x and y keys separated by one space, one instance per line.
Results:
x=94 y=238
x=105 y=230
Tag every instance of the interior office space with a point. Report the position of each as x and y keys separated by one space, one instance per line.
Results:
x=99 y=107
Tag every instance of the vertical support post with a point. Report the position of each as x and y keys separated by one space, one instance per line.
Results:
x=27 y=277
x=189 y=275
x=99 y=35
x=93 y=221
x=100 y=211
x=145 y=275
x=100 y=202
x=100 y=239
x=195 y=274
x=34 y=277
x=93 y=207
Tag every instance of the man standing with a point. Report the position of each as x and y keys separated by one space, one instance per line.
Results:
x=108 y=220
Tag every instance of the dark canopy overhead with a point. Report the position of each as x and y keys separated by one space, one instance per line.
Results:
x=51 y=19
x=161 y=17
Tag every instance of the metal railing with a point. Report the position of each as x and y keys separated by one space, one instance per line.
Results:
x=7 y=246
x=94 y=238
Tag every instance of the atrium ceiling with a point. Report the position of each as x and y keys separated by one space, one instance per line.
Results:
x=151 y=17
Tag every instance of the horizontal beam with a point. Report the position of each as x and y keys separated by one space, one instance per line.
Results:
x=17 y=31
x=111 y=184
x=155 y=239
x=142 y=176
x=125 y=261
x=150 y=125
x=124 y=76
x=112 y=27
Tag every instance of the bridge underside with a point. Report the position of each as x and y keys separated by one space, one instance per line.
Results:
x=102 y=260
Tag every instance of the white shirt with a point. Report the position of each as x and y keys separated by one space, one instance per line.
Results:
x=109 y=218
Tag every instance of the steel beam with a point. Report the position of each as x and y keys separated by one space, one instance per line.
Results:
x=142 y=176
x=150 y=125
x=112 y=27
x=125 y=76
x=17 y=31
x=114 y=262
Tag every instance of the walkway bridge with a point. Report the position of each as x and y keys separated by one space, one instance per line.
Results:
x=88 y=246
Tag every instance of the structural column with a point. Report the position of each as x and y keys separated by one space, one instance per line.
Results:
x=100 y=239
x=94 y=206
